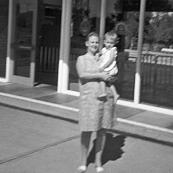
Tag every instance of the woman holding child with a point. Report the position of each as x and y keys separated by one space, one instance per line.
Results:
x=96 y=114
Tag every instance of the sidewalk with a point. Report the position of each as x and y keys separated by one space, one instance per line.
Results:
x=45 y=100
x=32 y=143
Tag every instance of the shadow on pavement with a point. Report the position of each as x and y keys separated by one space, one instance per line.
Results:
x=112 y=150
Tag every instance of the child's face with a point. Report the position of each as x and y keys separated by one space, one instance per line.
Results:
x=109 y=42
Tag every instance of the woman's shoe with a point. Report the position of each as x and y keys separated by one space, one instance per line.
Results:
x=99 y=169
x=82 y=169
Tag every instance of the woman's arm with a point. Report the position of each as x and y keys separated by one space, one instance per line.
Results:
x=85 y=75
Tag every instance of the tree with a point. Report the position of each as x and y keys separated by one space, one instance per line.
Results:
x=161 y=30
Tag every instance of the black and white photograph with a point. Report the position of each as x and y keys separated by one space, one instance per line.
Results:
x=86 y=86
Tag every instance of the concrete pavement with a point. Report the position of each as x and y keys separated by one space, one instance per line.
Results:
x=127 y=155
x=33 y=143
x=23 y=132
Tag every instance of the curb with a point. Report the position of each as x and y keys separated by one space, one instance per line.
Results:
x=43 y=107
x=129 y=127
x=142 y=130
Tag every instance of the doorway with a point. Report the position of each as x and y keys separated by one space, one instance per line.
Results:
x=23 y=41
x=47 y=60
x=35 y=42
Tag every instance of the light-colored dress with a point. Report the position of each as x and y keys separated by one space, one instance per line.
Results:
x=94 y=114
x=106 y=55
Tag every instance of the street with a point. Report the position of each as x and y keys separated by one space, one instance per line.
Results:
x=33 y=143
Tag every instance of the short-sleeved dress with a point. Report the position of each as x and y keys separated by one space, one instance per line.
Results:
x=94 y=114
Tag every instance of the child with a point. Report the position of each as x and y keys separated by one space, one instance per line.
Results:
x=107 y=62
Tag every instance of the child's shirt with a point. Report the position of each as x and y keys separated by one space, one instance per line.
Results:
x=105 y=58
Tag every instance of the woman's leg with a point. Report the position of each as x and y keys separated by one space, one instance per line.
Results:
x=100 y=142
x=85 y=141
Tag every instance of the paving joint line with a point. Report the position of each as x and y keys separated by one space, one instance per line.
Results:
x=28 y=153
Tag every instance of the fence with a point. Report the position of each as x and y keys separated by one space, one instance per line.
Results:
x=156 y=76
x=156 y=67
x=48 y=59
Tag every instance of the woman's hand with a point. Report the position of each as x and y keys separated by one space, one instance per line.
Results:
x=112 y=79
x=101 y=69
x=105 y=76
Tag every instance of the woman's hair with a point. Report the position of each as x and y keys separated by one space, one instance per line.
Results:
x=92 y=34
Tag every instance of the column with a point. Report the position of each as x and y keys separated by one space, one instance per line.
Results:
x=137 y=88
x=63 y=72
x=102 y=21
x=10 y=30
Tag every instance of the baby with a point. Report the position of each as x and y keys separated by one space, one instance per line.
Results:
x=107 y=62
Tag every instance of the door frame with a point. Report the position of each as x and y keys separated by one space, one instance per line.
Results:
x=48 y=53
x=11 y=77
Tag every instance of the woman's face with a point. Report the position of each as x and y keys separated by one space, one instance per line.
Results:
x=93 y=44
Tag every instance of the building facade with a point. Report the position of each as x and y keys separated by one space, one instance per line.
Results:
x=40 y=41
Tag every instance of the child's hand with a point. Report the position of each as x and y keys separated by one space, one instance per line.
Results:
x=98 y=56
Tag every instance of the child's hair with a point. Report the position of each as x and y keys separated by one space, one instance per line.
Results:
x=111 y=34
x=92 y=34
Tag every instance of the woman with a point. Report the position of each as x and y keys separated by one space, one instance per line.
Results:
x=95 y=115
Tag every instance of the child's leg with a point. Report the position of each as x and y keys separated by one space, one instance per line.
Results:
x=102 y=92
x=116 y=95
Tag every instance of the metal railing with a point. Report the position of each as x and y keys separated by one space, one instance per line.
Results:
x=156 y=76
x=156 y=67
x=48 y=59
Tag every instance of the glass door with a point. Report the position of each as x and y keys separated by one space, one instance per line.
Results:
x=23 y=47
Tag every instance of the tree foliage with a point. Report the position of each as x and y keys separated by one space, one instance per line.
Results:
x=162 y=28
x=158 y=27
